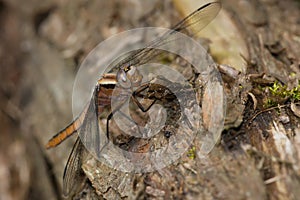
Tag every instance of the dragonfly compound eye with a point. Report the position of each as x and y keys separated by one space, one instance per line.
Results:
x=123 y=79
x=132 y=70
x=135 y=76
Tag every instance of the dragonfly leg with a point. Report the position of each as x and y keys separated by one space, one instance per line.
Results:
x=138 y=93
x=107 y=124
x=110 y=117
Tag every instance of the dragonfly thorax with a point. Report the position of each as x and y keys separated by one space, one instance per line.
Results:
x=107 y=79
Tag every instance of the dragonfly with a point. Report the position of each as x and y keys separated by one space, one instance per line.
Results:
x=127 y=76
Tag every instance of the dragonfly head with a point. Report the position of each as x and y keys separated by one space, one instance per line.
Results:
x=129 y=77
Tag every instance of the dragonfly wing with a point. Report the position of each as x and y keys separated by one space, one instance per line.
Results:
x=74 y=177
x=192 y=23
x=86 y=144
x=89 y=131
x=198 y=19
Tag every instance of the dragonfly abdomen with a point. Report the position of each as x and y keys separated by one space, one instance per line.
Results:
x=66 y=132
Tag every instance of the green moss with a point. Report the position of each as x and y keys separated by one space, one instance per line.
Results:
x=192 y=153
x=279 y=90
x=280 y=93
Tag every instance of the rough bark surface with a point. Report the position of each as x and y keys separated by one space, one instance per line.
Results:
x=258 y=156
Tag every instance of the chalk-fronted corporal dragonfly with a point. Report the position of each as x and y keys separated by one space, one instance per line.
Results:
x=127 y=76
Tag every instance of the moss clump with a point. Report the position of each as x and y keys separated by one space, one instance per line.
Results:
x=279 y=90
x=280 y=93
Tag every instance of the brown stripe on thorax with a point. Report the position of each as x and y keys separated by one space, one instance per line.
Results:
x=106 y=87
x=108 y=80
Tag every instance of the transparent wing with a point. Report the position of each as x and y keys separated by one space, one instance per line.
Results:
x=192 y=23
x=74 y=177
x=89 y=138
x=89 y=132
